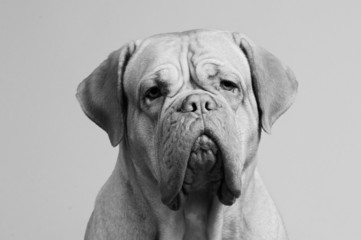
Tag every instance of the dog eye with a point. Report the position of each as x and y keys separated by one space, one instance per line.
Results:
x=228 y=85
x=153 y=93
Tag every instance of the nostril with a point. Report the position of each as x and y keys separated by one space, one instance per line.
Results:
x=210 y=105
x=189 y=106
x=207 y=105
x=194 y=107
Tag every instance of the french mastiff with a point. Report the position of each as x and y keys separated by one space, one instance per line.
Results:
x=187 y=110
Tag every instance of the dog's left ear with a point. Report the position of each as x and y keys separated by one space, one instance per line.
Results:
x=100 y=94
x=274 y=84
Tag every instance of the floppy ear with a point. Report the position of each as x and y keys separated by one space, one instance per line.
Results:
x=274 y=84
x=100 y=94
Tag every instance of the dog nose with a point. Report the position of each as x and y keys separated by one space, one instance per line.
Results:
x=200 y=103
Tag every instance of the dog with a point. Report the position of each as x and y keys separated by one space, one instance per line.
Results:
x=187 y=111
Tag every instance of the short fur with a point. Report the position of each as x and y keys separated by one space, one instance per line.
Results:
x=186 y=110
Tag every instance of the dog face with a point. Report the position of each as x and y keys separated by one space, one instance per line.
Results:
x=190 y=106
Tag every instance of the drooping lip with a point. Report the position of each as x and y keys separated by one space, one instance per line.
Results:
x=204 y=167
x=230 y=186
x=231 y=166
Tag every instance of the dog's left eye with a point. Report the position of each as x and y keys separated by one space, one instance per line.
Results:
x=228 y=85
x=153 y=93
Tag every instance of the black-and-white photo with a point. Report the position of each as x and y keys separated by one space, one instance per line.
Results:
x=180 y=120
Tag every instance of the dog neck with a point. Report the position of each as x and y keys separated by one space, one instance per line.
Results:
x=202 y=216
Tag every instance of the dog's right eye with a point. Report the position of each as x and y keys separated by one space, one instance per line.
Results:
x=153 y=93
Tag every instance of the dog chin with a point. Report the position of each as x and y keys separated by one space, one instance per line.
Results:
x=204 y=173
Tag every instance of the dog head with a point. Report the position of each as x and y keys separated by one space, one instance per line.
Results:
x=190 y=107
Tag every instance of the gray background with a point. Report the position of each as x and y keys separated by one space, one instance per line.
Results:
x=54 y=160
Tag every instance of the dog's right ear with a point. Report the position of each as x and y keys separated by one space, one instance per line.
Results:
x=101 y=93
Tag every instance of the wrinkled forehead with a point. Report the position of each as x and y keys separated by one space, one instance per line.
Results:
x=152 y=53
x=184 y=51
